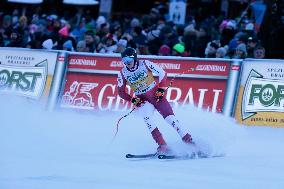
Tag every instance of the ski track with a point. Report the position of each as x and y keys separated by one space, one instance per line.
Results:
x=71 y=150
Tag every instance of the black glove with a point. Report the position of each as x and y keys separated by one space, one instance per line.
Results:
x=159 y=94
x=137 y=101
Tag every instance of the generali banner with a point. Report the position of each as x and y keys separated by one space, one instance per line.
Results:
x=261 y=95
x=91 y=82
x=26 y=72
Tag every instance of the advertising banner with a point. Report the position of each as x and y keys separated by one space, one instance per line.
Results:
x=25 y=81
x=261 y=95
x=26 y=72
x=91 y=82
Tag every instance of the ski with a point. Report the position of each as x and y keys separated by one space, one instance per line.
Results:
x=163 y=156
x=174 y=157
x=191 y=156
x=140 y=155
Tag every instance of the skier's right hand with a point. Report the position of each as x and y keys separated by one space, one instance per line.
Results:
x=137 y=101
x=159 y=94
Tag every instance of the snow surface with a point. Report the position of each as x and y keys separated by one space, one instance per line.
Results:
x=71 y=150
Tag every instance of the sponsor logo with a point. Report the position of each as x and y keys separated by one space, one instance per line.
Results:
x=23 y=81
x=116 y=64
x=84 y=62
x=136 y=76
x=169 y=66
x=213 y=68
x=79 y=95
x=19 y=60
x=262 y=95
x=60 y=58
x=276 y=72
x=235 y=67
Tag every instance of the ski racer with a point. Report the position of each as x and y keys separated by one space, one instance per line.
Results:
x=149 y=95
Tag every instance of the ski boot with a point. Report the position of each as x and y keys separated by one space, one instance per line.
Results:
x=163 y=150
x=187 y=139
x=197 y=152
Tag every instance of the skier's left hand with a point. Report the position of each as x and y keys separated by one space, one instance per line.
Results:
x=159 y=94
x=137 y=101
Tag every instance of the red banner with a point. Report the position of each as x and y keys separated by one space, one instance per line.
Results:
x=201 y=66
x=91 y=83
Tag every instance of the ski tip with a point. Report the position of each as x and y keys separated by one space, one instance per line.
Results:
x=161 y=156
x=140 y=155
x=128 y=155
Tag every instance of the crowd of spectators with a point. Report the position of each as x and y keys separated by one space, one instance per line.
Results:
x=150 y=34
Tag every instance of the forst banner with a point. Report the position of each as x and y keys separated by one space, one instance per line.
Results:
x=91 y=82
x=27 y=73
x=261 y=95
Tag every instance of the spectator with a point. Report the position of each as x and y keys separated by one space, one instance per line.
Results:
x=241 y=51
x=121 y=45
x=47 y=44
x=116 y=30
x=201 y=42
x=153 y=34
x=7 y=28
x=22 y=29
x=108 y=44
x=134 y=23
x=241 y=37
x=142 y=49
x=64 y=31
x=49 y=24
x=154 y=15
x=228 y=31
x=63 y=36
x=251 y=44
x=129 y=38
x=54 y=30
x=82 y=47
x=78 y=31
x=32 y=29
x=179 y=50
x=68 y=46
x=138 y=37
x=30 y=45
x=147 y=34
x=249 y=29
x=102 y=27
x=1 y=40
x=169 y=36
x=154 y=42
x=259 y=52
x=221 y=52
x=15 y=16
x=89 y=38
x=211 y=49
x=189 y=38
x=140 y=40
x=100 y=20
x=15 y=40
x=165 y=50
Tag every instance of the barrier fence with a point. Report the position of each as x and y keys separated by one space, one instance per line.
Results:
x=250 y=90
x=91 y=82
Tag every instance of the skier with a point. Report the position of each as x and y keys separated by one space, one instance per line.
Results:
x=148 y=95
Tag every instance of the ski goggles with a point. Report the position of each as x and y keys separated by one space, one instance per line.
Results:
x=127 y=60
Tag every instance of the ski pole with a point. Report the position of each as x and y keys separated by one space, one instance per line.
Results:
x=172 y=80
x=117 y=125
